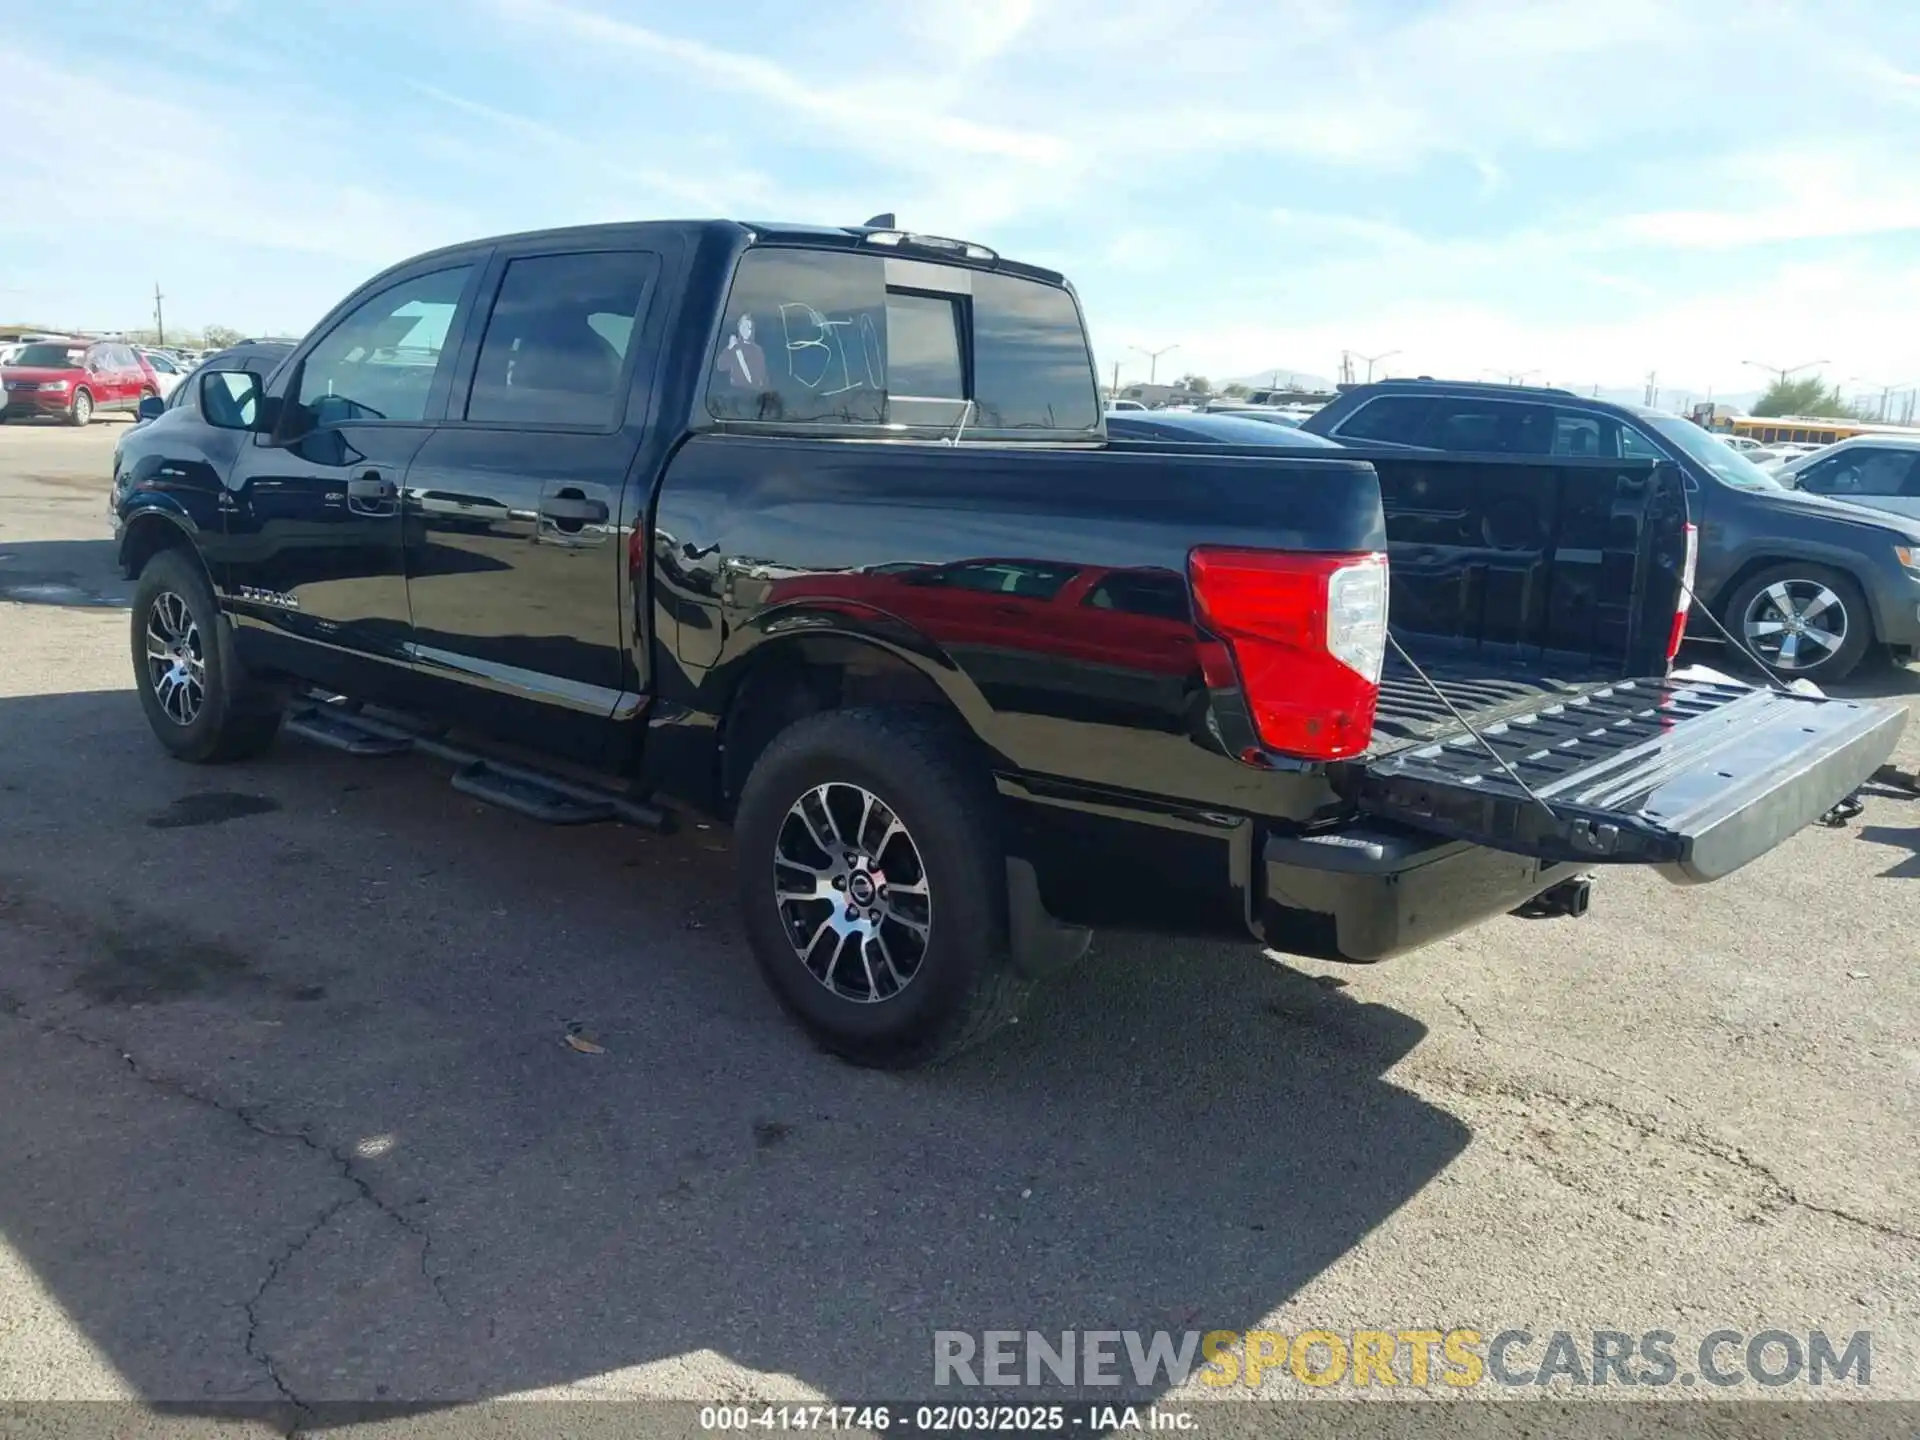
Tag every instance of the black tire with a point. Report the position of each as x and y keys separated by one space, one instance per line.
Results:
x=80 y=409
x=234 y=717
x=1847 y=640
x=963 y=987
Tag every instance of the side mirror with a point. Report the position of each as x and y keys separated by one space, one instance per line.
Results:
x=230 y=399
x=152 y=407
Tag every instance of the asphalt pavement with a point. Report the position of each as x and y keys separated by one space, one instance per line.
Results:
x=289 y=1114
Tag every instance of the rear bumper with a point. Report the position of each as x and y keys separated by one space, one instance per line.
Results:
x=1371 y=891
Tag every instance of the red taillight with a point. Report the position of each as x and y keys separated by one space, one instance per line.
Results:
x=1307 y=634
x=1679 y=630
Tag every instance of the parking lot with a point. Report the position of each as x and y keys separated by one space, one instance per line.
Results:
x=291 y=1116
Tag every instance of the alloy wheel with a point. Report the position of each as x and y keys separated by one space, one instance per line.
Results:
x=176 y=661
x=1795 y=624
x=853 y=893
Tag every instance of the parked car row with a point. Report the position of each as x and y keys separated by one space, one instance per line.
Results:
x=75 y=380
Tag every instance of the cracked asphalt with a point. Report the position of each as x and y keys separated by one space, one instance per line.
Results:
x=289 y=1117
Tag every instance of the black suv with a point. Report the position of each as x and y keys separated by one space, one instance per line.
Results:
x=1808 y=584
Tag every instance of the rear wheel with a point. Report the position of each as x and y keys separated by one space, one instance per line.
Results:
x=80 y=409
x=1805 y=621
x=199 y=702
x=873 y=886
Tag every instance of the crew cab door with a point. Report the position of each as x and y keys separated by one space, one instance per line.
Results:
x=314 y=527
x=514 y=560
x=1697 y=776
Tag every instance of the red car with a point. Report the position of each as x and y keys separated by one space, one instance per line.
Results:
x=74 y=380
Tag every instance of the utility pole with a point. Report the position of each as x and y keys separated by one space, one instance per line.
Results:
x=1886 y=394
x=1653 y=390
x=1153 y=360
x=159 y=316
x=1114 y=392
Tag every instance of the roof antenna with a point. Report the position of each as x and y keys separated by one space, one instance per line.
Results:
x=882 y=221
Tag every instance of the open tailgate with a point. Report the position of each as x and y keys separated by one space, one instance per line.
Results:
x=1695 y=776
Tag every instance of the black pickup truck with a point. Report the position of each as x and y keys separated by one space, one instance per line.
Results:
x=819 y=530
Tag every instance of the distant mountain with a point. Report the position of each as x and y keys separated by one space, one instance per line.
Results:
x=1672 y=397
x=1280 y=377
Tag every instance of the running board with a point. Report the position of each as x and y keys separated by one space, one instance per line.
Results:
x=348 y=731
x=533 y=796
x=521 y=789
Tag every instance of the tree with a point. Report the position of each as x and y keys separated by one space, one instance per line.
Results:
x=1803 y=397
x=1236 y=392
x=219 y=337
x=1198 y=384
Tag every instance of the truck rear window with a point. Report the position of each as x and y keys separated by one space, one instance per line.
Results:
x=831 y=339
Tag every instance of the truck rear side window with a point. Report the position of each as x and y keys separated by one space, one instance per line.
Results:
x=834 y=339
x=556 y=342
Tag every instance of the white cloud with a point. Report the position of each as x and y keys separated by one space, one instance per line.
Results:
x=1815 y=310
x=209 y=179
x=1800 y=191
x=1589 y=189
x=972 y=33
x=871 y=111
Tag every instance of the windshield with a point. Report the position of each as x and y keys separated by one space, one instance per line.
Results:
x=1710 y=454
x=51 y=357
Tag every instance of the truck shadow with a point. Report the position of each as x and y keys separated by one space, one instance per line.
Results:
x=350 y=1157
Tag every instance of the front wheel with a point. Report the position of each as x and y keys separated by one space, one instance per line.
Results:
x=200 y=704
x=1807 y=622
x=80 y=410
x=873 y=886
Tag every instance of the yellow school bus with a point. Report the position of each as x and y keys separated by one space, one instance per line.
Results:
x=1803 y=429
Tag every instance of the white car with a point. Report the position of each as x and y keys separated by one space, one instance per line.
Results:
x=1881 y=472
x=167 y=371
x=1751 y=449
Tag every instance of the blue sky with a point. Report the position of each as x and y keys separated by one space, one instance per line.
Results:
x=1583 y=189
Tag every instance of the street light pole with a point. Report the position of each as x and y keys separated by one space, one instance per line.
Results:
x=1373 y=360
x=1153 y=360
x=1781 y=372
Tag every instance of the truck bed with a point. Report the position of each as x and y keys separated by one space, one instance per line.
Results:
x=1520 y=581
x=1486 y=691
